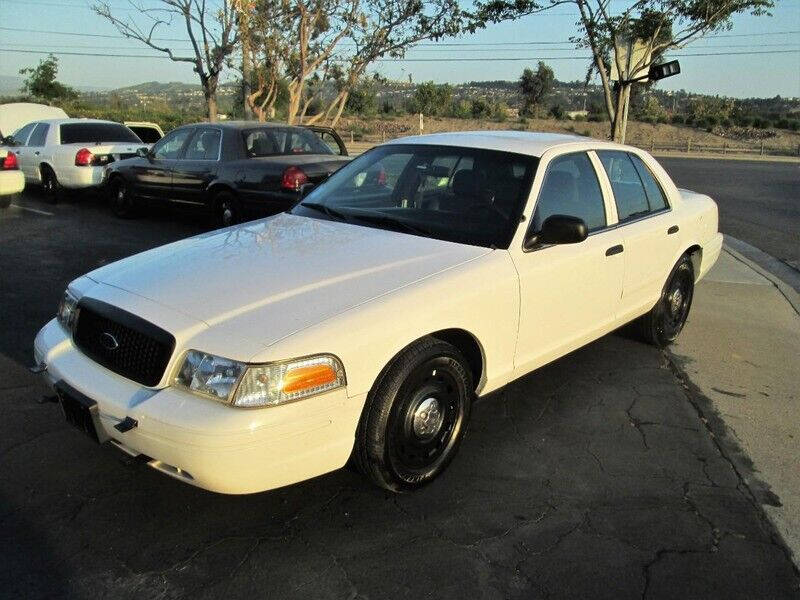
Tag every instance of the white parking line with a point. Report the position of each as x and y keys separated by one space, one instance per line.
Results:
x=35 y=210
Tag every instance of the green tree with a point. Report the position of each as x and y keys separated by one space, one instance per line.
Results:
x=362 y=99
x=41 y=81
x=656 y=25
x=431 y=98
x=534 y=87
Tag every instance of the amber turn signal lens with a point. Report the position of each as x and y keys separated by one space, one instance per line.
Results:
x=304 y=378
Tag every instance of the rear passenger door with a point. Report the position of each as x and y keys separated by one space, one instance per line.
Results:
x=648 y=229
x=35 y=152
x=24 y=156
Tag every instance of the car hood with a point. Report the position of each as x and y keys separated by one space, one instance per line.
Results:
x=267 y=279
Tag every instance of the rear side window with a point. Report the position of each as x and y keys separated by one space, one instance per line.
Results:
x=273 y=141
x=204 y=145
x=628 y=190
x=21 y=135
x=655 y=195
x=39 y=135
x=571 y=188
x=87 y=133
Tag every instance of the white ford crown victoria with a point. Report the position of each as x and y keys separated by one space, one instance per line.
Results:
x=363 y=323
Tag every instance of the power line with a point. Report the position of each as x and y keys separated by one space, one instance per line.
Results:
x=437 y=44
x=443 y=59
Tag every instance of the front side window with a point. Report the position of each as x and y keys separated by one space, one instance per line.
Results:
x=464 y=195
x=570 y=188
x=204 y=145
x=39 y=135
x=94 y=133
x=170 y=146
x=629 y=193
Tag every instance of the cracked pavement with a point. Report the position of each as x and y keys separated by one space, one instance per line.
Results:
x=601 y=475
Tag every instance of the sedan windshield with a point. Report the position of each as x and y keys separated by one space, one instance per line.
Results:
x=276 y=141
x=466 y=195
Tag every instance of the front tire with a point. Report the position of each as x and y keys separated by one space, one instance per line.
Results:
x=661 y=326
x=415 y=416
x=50 y=186
x=121 y=198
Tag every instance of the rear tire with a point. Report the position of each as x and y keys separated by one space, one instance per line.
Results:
x=123 y=203
x=227 y=210
x=415 y=416
x=661 y=326
x=50 y=186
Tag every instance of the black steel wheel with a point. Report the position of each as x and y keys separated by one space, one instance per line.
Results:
x=666 y=319
x=415 y=416
x=50 y=186
x=121 y=198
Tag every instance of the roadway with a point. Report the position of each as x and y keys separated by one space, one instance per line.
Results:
x=759 y=201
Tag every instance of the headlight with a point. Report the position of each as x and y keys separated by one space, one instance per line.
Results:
x=252 y=386
x=67 y=313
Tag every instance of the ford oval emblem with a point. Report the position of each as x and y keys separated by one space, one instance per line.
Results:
x=109 y=341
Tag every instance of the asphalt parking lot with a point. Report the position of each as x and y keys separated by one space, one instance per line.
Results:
x=603 y=475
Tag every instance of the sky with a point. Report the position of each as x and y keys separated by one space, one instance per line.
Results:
x=775 y=71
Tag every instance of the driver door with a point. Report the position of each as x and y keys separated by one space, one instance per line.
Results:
x=153 y=175
x=569 y=293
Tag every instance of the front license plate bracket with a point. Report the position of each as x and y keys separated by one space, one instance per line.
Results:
x=80 y=411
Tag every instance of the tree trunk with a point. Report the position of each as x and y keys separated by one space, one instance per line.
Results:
x=247 y=74
x=619 y=119
x=210 y=93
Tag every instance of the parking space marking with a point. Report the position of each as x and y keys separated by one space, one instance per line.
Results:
x=35 y=210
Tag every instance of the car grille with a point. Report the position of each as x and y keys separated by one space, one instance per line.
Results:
x=122 y=342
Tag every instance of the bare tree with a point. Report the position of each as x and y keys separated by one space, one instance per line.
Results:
x=211 y=28
x=657 y=25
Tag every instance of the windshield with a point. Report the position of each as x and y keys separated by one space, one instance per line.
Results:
x=276 y=141
x=86 y=133
x=464 y=195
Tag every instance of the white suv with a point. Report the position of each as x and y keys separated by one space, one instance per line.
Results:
x=70 y=153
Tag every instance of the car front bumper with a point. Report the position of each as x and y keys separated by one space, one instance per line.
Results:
x=203 y=442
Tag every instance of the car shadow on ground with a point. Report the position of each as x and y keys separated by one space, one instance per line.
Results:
x=592 y=477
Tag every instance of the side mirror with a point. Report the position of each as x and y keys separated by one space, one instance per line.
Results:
x=558 y=229
x=143 y=152
x=305 y=189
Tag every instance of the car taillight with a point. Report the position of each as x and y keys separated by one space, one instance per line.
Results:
x=293 y=178
x=10 y=162
x=84 y=157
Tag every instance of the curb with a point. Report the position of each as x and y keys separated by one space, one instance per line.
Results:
x=775 y=271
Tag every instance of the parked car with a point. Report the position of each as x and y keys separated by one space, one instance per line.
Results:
x=425 y=273
x=14 y=115
x=148 y=132
x=70 y=153
x=12 y=181
x=233 y=170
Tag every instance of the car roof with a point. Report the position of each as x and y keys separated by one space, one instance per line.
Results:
x=243 y=124
x=520 y=142
x=68 y=121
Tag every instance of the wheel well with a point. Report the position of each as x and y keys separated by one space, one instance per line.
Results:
x=696 y=255
x=217 y=188
x=469 y=347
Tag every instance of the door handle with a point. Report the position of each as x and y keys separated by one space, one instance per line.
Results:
x=673 y=229
x=36 y=153
x=618 y=249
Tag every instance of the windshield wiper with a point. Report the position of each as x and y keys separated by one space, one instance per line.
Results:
x=397 y=224
x=323 y=208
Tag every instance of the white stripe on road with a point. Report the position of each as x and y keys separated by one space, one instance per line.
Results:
x=35 y=210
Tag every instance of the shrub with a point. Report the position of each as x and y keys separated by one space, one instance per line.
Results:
x=556 y=112
x=678 y=120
